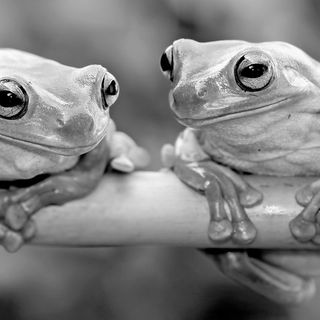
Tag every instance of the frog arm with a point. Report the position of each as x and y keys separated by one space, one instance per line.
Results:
x=276 y=282
x=270 y=278
x=220 y=184
x=18 y=205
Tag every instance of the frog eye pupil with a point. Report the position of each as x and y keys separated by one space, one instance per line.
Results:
x=164 y=63
x=112 y=89
x=13 y=100
x=9 y=99
x=254 y=71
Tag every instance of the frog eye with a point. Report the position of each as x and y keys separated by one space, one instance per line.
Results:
x=253 y=72
x=109 y=91
x=13 y=99
x=166 y=63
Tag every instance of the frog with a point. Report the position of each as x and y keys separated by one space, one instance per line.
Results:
x=57 y=138
x=248 y=108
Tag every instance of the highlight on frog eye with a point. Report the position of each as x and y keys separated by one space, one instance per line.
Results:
x=253 y=71
x=13 y=100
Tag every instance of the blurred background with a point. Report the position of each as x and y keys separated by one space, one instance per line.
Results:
x=128 y=37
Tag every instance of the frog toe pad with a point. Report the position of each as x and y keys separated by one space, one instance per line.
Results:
x=12 y=241
x=15 y=217
x=244 y=232
x=302 y=229
x=220 y=230
x=305 y=227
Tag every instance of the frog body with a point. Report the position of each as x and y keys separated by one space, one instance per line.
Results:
x=261 y=157
x=56 y=137
x=254 y=108
x=273 y=130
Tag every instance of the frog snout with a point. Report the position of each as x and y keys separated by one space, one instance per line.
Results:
x=109 y=90
x=77 y=126
x=186 y=98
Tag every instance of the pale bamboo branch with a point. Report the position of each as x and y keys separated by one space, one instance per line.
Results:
x=155 y=208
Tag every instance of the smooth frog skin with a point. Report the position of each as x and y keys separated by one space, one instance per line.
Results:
x=252 y=107
x=56 y=137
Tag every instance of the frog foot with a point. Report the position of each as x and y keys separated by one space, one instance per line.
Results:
x=16 y=224
x=19 y=204
x=275 y=281
x=222 y=187
x=240 y=228
x=26 y=197
x=126 y=155
x=306 y=226
x=12 y=240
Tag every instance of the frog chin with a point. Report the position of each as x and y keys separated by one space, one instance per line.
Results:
x=199 y=122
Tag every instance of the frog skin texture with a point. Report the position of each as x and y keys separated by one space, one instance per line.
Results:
x=56 y=138
x=248 y=107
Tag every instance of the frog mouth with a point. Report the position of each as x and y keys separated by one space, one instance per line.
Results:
x=62 y=150
x=199 y=122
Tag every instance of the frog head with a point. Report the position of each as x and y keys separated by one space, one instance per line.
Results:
x=223 y=80
x=50 y=113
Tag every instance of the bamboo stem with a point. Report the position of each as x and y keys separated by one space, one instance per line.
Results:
x=155 y=208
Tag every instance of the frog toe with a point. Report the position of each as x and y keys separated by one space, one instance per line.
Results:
x=304 y=226
x=244 y=232
x=12 y=241
x=168 y=155
x=250 y=197
x=139 y=157
x=15 y=217
x=29 y=230
x=304 y=196
x=302 y=229
x=220 y=231
x=122 y=163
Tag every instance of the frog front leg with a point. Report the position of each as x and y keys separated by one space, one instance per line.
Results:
x=17 y=206
x=272 y=279
x=306 y=226
x=220 y=185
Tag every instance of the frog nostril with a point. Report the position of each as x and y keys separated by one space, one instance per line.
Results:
x=201 y=89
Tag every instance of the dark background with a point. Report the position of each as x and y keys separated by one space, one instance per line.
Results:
x=128 y=37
